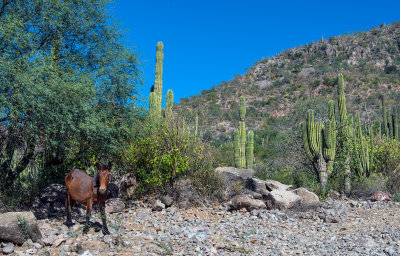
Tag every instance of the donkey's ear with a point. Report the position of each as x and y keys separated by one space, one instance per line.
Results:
x=98 y=166
x=109 y=165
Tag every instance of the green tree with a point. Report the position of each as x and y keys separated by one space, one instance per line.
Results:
x=68 y=84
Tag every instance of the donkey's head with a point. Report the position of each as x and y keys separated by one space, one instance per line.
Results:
x=103 y=177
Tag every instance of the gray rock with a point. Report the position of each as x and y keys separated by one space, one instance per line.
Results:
x=307 y=198
x=243 y=201
x=17 y=227
x=258 y=186
x=276 y=185
x=48 y=241
x=167 y=201
x=282 y=199
x=184 y=204
x=114 y=205
x=9 y=248
x=157 y=206
x=232 y=174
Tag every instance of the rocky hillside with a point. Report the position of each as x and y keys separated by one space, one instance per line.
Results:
x=275 y=87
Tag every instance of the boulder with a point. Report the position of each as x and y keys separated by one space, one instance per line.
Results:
x=380 y=196
x=114 y=205
x=127 y=185
x=307 y=198
x=9 y=248
x=53 y=193
x=233 y=180
x=184 y=204
x=157 y=206
x=243 y=201
x=17 y=227
x=167 y=201
x=276 y=185
x=282 y=199
x=232 y=174
x=258 y=186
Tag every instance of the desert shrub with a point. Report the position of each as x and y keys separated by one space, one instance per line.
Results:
x=390 y=69
x=167 y=152
x=387 y=163
x=366 y=186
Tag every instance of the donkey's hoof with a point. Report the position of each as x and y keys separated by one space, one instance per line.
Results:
x=106 y=231
x=68 y=223
x=85 y=230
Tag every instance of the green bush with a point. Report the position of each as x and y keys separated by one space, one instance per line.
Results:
x=166 y=152
x=387 y=163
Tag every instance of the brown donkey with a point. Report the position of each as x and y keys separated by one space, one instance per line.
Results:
x=88 y=191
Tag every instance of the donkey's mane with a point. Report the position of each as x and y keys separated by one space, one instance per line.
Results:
x=96 y=179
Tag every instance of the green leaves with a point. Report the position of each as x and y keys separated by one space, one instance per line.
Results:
x=68 y=84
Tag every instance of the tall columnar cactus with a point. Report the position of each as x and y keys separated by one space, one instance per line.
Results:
x=342 y=101
x=371 y=154
x=158 y=84
x=242 y=134
x=312 y=138
x=395 y=123
x=196 y=127
x=236 y=137
x=361 y=150
x=244 y=145
x=169 y=103
x=344 y=133
x=250 y=150
x=152 y=105
x=390 y=125
x=385 y=128
x=329 y=146
x=242 y=108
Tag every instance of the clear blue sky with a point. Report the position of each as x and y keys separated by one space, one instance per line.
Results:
x=206 y=42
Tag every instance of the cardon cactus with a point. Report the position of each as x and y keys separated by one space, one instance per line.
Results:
x=243 y=142
x=312 y=138
x=169 y=103
x=395 y=123
x=237 y=148
x=250 y=150
x=156 y=99
x=342 y=101
x=196 y=127
x=242 y=135
x=385 y=128
x=242 y=108
x=152 y=105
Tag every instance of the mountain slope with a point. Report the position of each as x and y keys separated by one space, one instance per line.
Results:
x=275 y=87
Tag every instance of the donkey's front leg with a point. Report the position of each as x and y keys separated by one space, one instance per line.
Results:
x=88 y=212
x=104 y=219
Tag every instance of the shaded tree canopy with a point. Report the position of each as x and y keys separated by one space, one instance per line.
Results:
x=68 y=84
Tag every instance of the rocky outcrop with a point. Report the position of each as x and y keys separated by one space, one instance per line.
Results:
x=18 y=227
x=380 y=196
x=242 y=201
x=126 y=185
x=307 y=198
x=276 y=185
x=282 y=199
x=242 y=185
x=167 y=201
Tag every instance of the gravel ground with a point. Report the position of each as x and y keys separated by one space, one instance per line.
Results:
x=340 y=227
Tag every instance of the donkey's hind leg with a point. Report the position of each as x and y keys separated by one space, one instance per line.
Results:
x=69 y=203
x=89 y=205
